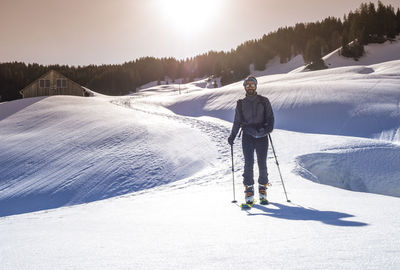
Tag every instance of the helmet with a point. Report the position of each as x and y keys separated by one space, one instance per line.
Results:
x=250 y=79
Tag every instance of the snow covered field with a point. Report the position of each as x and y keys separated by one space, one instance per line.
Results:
x=144 y=181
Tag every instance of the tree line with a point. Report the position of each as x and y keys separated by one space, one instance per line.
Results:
x=370 y=23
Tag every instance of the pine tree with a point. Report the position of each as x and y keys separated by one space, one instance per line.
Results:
x=313 y=51
x=398 y=21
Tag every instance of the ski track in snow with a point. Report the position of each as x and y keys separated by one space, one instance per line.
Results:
x=348 y=179
x=218 y=134
x=83 y=165
x=78 y=167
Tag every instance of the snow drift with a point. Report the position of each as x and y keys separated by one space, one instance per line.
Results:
x=64 y=150
x=365 y=169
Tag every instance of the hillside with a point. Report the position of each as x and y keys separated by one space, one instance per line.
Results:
x=374 y=54
x=54 y=154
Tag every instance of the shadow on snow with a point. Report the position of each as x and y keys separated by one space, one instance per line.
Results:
x=297 y=212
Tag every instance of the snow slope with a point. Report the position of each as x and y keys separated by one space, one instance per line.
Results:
x=374 y=54
x=361 y=101
x=156 y=168
x=178 y=85
x=67 y=150
x=274 y=66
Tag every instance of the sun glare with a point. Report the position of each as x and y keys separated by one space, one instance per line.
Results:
x=189 y=16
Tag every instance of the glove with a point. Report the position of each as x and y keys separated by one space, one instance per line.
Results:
x=268 y=128
x=258 y=127
x=231 y=139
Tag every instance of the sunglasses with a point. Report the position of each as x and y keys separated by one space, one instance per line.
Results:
x=250 y=85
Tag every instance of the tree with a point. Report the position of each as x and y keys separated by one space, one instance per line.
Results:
x=398 y=20
x=313 y=51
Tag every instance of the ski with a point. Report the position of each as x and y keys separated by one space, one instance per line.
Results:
x=246 y=206
x=264 y=202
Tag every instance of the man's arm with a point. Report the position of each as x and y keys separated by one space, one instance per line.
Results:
x=269 y=116
x=236 y=124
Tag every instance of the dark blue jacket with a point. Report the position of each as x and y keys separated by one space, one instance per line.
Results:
x=254 y=114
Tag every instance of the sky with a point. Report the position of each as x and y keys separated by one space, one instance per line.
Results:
x=83 y=32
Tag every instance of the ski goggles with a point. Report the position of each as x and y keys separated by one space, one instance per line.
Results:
x=250 y=85
x=250 y=80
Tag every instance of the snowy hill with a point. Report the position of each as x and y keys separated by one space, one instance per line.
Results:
x=361 y=101
x=156 y=169
x=374 y=54
x=179 y=86
x=275 y=67
x=67 y=150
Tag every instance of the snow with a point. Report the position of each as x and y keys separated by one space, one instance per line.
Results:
x=144 y=181
x=178 y=85
x=349 y=101
x=274 y=66
x=71 y=156
x=360 y=168
x=374 y=54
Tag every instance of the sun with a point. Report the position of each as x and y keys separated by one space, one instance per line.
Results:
x=189 y=16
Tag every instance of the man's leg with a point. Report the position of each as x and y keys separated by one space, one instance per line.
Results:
x=248 y=146
x=261 y=150
x=261 y=147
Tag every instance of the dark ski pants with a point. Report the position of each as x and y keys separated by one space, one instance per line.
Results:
x=260 y=145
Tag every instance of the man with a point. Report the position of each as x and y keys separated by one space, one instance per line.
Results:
x=255 y=116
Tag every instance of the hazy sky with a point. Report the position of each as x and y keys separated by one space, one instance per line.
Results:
x=82 y=32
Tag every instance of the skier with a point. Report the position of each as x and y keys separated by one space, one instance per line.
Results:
x=255 y=116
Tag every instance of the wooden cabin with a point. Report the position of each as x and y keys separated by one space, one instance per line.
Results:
x=53 y=83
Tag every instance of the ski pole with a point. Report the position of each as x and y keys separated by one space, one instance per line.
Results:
x=277 y=164
x=233 y=176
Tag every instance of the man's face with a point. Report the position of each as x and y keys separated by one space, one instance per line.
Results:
x=250 y=87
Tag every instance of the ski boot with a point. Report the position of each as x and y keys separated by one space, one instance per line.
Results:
x=262 y=190
x=249 y=197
